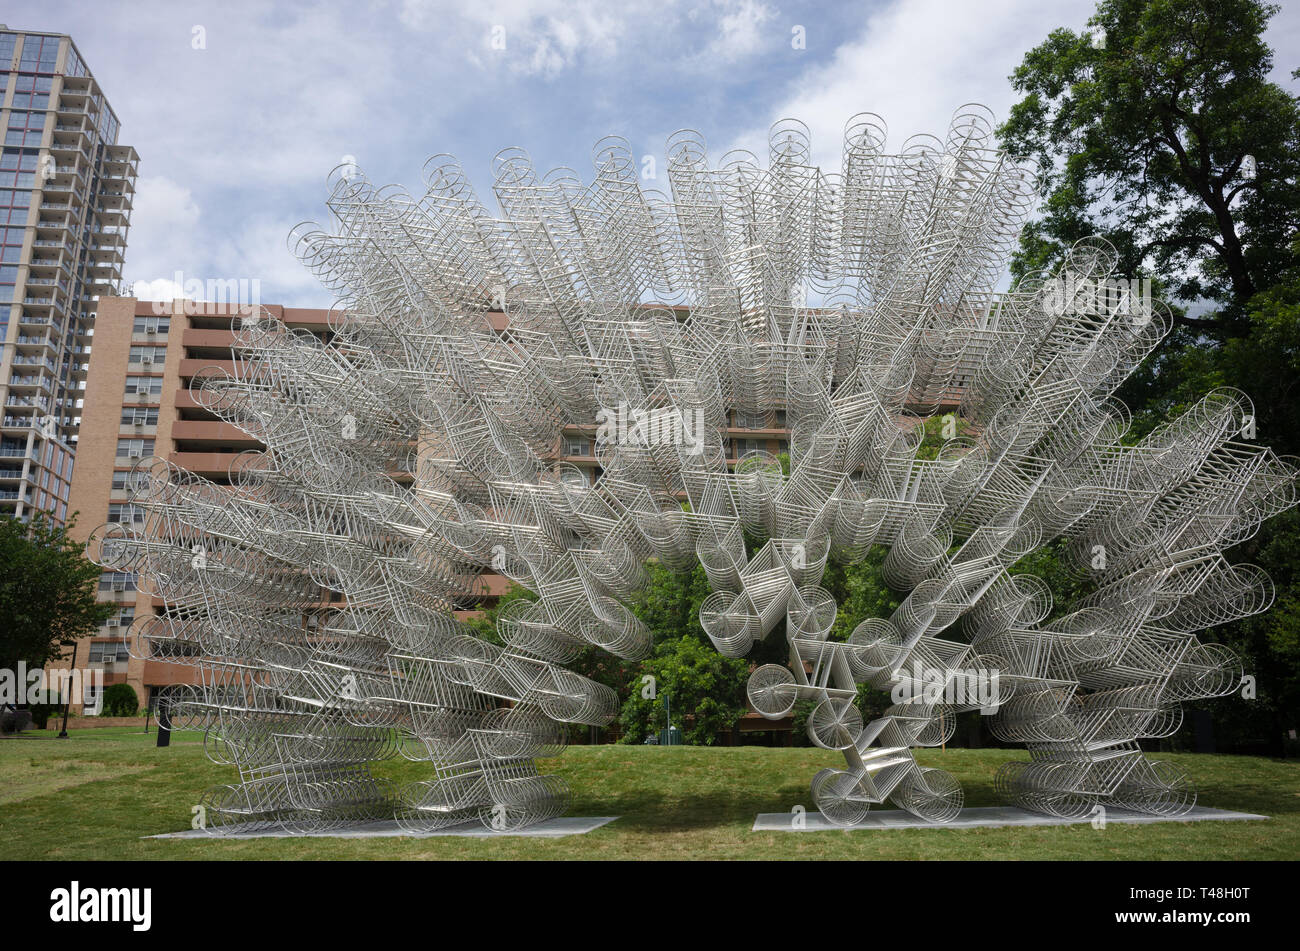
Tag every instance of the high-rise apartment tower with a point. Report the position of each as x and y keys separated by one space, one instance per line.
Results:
x=66 y=187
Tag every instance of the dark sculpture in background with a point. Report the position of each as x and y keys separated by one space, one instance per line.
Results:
x=417 y=448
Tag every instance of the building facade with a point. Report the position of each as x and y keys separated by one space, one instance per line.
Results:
x=66 y=188
x=138 y=405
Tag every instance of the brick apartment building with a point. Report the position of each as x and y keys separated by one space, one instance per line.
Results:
x=138 y=405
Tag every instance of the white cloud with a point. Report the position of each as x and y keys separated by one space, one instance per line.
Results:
x=170 y=250
x=740 y=30
x=165 y=229
x=541 y=38
x=915 y=62
x=236 y=140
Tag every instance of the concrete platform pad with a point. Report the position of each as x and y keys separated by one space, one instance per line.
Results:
x=980 y=817
x=388 y=828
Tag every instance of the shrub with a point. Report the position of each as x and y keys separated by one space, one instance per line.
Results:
x=120 y=700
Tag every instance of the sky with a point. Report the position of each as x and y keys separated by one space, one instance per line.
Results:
x=240 y=110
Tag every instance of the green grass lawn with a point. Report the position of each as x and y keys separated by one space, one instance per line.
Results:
x=94 y=795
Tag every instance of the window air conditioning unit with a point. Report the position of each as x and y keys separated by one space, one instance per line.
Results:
x=111 y=622
x=138 y=423
x=142 y=391
x=133 y=455
x=151 y=330
x=146 y=361
x=119 y=585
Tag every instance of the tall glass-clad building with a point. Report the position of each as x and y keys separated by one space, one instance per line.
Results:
x=66 y=187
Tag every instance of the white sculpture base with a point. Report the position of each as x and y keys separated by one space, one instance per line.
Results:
x=550 y=829
x=981 y=817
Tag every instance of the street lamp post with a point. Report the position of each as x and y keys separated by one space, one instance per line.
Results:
x=67 y=696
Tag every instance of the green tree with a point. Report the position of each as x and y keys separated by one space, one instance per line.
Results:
x=683 y=662
x=47 y=592
x=669 y=602
x=706 y=690
x=1144 y=139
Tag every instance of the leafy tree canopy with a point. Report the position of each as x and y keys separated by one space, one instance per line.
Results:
x=1148 y=138
x=706 y=690
x=47 y=592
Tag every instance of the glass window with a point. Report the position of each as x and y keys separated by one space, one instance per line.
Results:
x=143 y=417
x=74 y=67
x=127 y=480
x=125 y=513
x=108 y=652
x=158 y=325
x=143 y=385
x=134 y=448
x=146 y=354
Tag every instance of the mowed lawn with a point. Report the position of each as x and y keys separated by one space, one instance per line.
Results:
x=94 y=795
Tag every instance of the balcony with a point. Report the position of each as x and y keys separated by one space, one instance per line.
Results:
x=206 y=463
x=114 y=201
x=21 y=361
x=191 y=367
x=208 y=339
x=202 y=430
x=111 y=216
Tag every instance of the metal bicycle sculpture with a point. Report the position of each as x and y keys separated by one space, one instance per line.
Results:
x=417 y=446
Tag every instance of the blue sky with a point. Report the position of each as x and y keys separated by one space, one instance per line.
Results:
x=239 y=110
